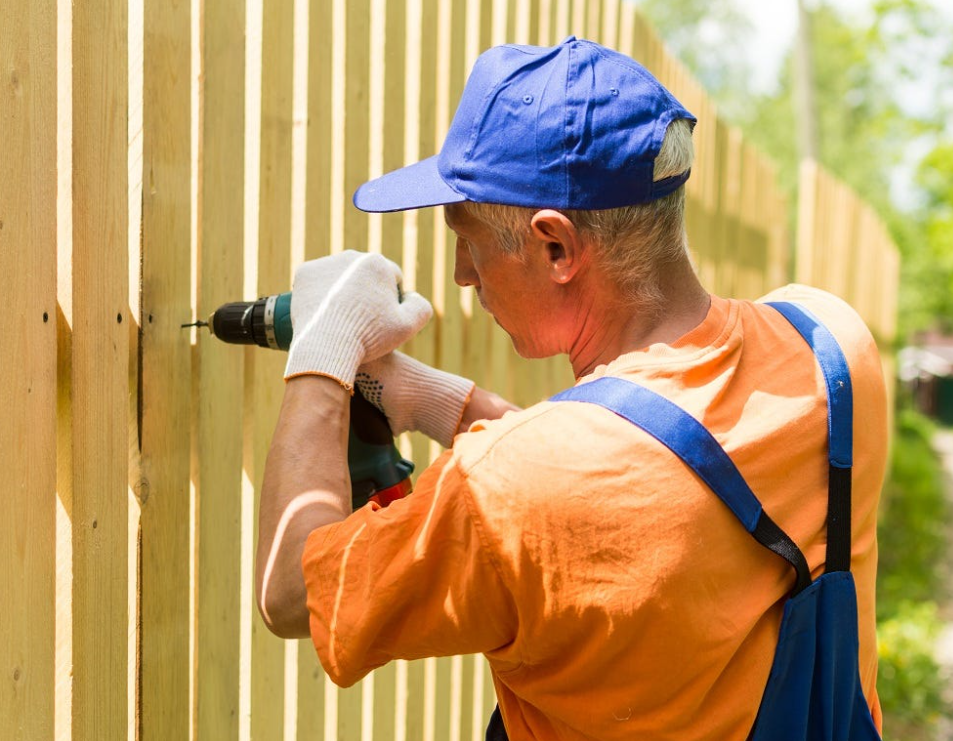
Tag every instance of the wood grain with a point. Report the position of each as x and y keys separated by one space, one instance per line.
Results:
x=28 y=382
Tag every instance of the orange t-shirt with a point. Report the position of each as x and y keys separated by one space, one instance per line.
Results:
x=613 y=594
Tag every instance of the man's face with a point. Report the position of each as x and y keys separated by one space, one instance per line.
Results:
x=515 y=290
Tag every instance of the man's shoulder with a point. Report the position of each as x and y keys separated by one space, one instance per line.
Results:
x=516 y=430
x=837 y=315
x=833 y=311
x=537 y=441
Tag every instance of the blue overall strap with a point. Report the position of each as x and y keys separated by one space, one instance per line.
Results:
x=814 y=692
x=840 y=425
x=688 y=439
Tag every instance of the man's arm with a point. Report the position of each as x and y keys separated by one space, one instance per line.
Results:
x=484 y=404
x=345 y=309
x=416 y=396
x=306 y=485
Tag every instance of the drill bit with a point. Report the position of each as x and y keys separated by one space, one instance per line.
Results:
x=198 y=323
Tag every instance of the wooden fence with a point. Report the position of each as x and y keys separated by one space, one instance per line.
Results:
x=844 y=247
x=161 y=157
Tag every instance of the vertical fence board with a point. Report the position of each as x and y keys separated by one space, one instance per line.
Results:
x=217 y=463
x=418 y=257
x=320 y=114
x=356 y=94
x=63 y=719
x=99 y=383
x=395 y=30
x=28 y=392
x=356 y=99
x=311 y=678
x=264 y=368
x=166 y=371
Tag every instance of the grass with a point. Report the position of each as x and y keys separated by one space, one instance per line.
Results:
x=913 y=533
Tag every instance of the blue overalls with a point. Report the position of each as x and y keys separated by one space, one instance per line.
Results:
x=813 y=691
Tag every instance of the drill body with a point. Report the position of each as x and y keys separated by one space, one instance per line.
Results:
x=378 y=472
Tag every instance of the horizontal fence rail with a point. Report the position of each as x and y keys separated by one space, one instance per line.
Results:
x=161 y=158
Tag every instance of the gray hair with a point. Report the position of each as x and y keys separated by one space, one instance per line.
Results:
x=634 y=243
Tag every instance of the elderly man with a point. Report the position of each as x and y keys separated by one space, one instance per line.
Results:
x=614 y=595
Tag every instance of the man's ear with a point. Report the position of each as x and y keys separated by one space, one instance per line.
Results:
x=562 y=244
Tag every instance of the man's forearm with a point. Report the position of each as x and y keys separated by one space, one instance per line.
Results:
x=484 y=404
x=306 y=485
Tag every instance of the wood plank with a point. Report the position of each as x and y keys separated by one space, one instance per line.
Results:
x=593 y=20
x=415 y=720
x=322 y=16
x=356 y=124
x=441 y=290
x=395 y=55
x=451 y=327
x=28 y=380
x=610 y=23
x=217 y=437
x=561 y=20
x=418 y=257
x=164 y=492
x=807 y=205
x=355 y=236
x=264 y=369
x=318 y=176
x=543 y=20
x=99 y=371
x=463 y=693
x=99 y=383
x=63 y=719
x=577 y=22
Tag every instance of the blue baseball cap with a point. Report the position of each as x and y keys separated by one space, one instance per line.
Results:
x=575 y=126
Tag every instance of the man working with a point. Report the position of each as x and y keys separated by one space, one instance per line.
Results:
x=613 y=594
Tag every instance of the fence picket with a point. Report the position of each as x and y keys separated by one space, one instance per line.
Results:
x=166 y=371
x=219 y=377
x=28 y=388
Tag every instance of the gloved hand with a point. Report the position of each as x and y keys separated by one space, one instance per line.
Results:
x=414 y=396
x=347 y=309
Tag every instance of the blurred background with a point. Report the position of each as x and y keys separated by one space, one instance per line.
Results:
x=865 y=87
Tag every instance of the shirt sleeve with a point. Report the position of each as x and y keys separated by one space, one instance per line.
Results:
x=408 y=581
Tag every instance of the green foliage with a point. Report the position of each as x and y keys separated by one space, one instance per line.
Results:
x=914 y=516
x=909 y=683
x=912 y=535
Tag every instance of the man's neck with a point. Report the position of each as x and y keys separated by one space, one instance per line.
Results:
x=609 y=328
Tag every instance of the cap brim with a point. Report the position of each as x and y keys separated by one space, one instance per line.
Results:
x=415 y=186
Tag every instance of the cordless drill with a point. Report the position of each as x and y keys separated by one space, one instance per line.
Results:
x=378 y=472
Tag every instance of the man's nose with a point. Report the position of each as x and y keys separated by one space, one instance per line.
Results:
x=463 y=272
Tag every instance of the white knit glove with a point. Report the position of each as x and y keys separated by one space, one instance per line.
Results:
x=347 y=309
x=414 y=396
